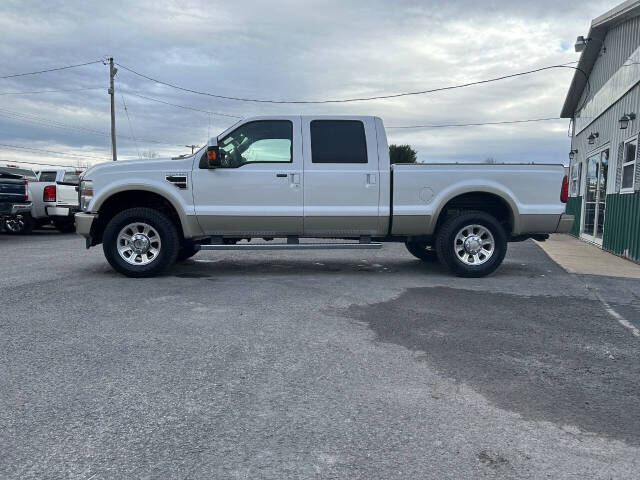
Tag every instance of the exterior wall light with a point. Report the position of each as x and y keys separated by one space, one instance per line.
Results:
x=581 y=43
x=625 y=119
x=572 y=154
x=592 y=138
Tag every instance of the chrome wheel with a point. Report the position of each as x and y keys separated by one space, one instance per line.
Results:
x=474 y=245
x=14 y=224
x=139 y=243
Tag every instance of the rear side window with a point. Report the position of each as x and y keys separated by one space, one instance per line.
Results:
x=48 y=176
x=338 y=141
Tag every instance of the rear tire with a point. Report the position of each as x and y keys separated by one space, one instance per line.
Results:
x=422 y=250
x=472 y=244
x=21 y=224
x=140 y=242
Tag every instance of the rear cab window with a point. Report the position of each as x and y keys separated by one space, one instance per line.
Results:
x=71 y=177
x=338 y=141
x=48 y=176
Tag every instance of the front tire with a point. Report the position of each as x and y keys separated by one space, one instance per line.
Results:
x=187 y=251
x=140 y=242
x=472 y=244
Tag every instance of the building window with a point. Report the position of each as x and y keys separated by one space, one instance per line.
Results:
x=576 y=177
x=629 y=165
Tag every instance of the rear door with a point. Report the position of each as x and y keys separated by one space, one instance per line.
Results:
x=341 y=177
x=258 y=191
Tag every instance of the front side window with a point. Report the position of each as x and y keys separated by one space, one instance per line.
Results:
x=338 y=141
x=629 y=164
x=268 y=141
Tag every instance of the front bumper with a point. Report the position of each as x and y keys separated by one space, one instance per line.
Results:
x=565 y=224
x=84 y=222
x=61 y=211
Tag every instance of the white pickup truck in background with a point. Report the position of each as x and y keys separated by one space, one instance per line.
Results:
x=293 y=177
x=54 y=200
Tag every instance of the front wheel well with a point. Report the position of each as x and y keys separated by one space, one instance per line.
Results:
x=486 y=202
x=131 y=199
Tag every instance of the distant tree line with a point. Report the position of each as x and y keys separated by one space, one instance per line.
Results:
x=402 y=154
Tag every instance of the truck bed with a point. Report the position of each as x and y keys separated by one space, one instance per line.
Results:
x=531 y=191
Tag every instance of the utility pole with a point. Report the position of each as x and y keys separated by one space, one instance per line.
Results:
x=192 y=147
x=112 y=73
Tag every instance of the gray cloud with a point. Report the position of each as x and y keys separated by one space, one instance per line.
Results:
x=292 y=50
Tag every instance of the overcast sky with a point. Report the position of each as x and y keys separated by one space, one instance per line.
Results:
x=289 y=51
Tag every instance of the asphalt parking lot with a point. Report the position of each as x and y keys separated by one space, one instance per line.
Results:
x=314 y=364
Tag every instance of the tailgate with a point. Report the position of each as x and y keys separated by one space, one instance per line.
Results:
x=12 y=190
x=66 y=194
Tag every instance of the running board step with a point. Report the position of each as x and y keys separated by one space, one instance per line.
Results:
x=292 y=246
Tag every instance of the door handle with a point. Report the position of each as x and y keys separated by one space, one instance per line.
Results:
x=371 y=178
x=281 y=175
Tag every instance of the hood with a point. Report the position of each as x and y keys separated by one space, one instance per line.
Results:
x=138 y=165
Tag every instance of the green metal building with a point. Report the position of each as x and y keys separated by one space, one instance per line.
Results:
x=604 y=105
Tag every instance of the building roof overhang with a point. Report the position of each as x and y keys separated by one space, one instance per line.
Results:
x=597 y=33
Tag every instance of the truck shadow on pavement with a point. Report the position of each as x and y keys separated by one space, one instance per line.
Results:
x=228 y=267
x=557 y=359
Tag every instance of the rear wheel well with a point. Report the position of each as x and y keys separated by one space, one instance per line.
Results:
x=130 y=199
x=479 y=201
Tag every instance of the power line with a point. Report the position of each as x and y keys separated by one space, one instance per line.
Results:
x=183 y=106
x=129 y=120
x=51 y=123
x=357 y=99
x=506 y=122
x=51 y=69
x=39 y=163
x=64 y=154
x=51 y=91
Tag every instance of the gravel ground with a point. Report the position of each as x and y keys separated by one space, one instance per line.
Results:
x=314 y=364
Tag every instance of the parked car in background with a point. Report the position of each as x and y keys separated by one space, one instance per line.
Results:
x=54 y=200
x=14 y=195
x=316 y=177
x=60 y=196
x=22 y=221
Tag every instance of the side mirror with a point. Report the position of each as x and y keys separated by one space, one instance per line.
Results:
x=211 y=158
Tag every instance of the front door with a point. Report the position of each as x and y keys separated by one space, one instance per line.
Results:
x=258 y=190
x=593 y=213
x=342 y=185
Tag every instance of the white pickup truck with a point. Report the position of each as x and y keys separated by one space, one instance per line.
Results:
x=54 y=200
x=293 y=177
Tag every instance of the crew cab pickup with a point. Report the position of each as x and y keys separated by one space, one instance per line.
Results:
x=293 y=177
x=14 y=195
